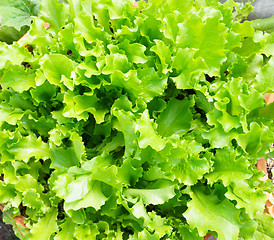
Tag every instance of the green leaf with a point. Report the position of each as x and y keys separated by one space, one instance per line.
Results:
x=208 y=35
x=163 y=52
x=7 y=192
x=148 y=136
x=248 y=47
x=252 y=101
x=228 y=122
x=18 y=78
x=129 y=82
x=134 y=51
x=28 y=147
x=89 y=195
x=10 y=116
x=114 y=62
x=218 y=138
x=158 y=195
x=28 y=182
x=206 y=212
x=228 y=168
x=54 y=13
x=64 y=158
x=176 y=118
x=152 y=85
x=88 y=103
x=263 y=231
x=129 y=174
x=16 y=18
x=39 y=37
x=251 y=200
x=187 y=169
x=17 y=13
x=84 y=25
x=86 y=231
x=43 y=92
x=55 y=66
x=189 y=71
x=127 y=127
x=90 y=67
x=14 y=54
x=46 y=226
x=254 y=142
x=264 y=24
x=32 y=199
x=78 y=146
x=67 y=231
x=265 y=78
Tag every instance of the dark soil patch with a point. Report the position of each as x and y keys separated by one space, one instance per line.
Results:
x=6 y=232
x=270 y=169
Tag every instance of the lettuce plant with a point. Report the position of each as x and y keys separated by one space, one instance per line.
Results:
x=146 y=122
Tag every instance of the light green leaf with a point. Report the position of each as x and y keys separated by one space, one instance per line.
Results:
x=10 y=116
x=227 y=121
x=208 y=35
x=148 y=136
x=251 y=200
x=18 y=78
x=54 y=12
x=84 y=25
x=28 y=147
x=128 y=174
x=16 y=13
x=187 y=169
x=32 y=199
x=89 y=195
x=189 y=68
x=152 y=196
x=46 y=226
x=7 y=192
x=14 y=54
x=206 y=212
x=88 y=103
x=55 y=66
x=127 y=126
x=86 y=231
x=67 y=231
x=43 y=92
x=129 y=82
x=39 y=37
x=264 y=231
x=78 y=146
x=115 y=62
x=16 y=18
x=152 y=85
x=134 y=51
x=252 y=101
x=218 y=138
x=265 y=79
x=90 y=67
x=255 y=141
x=228 y=168
x=28 y=182
x=163 y=52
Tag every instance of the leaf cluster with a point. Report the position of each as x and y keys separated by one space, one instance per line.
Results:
x=137 y=123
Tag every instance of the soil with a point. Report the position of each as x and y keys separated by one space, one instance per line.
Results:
x=6 y=232
x=270 y=169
